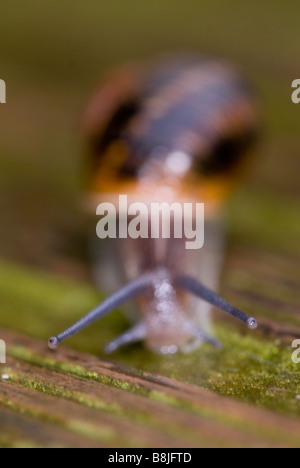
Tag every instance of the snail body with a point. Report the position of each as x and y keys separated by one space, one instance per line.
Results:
x=177 y=131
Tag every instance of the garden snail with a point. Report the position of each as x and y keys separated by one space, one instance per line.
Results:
x=177 y=130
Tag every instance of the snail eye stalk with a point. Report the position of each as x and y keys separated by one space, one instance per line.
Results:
x=193 y=286
x=202 y=336
x=134 y=334
x=129 y=291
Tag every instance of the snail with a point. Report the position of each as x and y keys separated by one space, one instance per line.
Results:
x=176 y=130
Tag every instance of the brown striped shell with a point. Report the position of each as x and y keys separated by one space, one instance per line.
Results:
x=183 y=122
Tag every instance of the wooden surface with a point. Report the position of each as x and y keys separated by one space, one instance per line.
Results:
x=75 y=399
x=246 y=395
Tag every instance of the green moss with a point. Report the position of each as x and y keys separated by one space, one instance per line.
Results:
x=41 y=301
x=24 y=354
x=168 y=427
x=95 y=432
x=230 y=372
x=92 y=432
x=6 y=401
x=142 y=418
x=61 y=392
x=227 y=419
x=248 y=368
x=10 y=442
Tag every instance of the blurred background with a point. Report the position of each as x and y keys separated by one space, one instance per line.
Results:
x=52 y=54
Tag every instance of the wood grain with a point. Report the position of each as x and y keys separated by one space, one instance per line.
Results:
x=92 y=402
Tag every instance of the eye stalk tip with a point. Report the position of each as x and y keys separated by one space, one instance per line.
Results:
x=252 y=323
x=53 y=342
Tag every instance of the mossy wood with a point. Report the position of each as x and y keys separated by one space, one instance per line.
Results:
x=246 y=395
